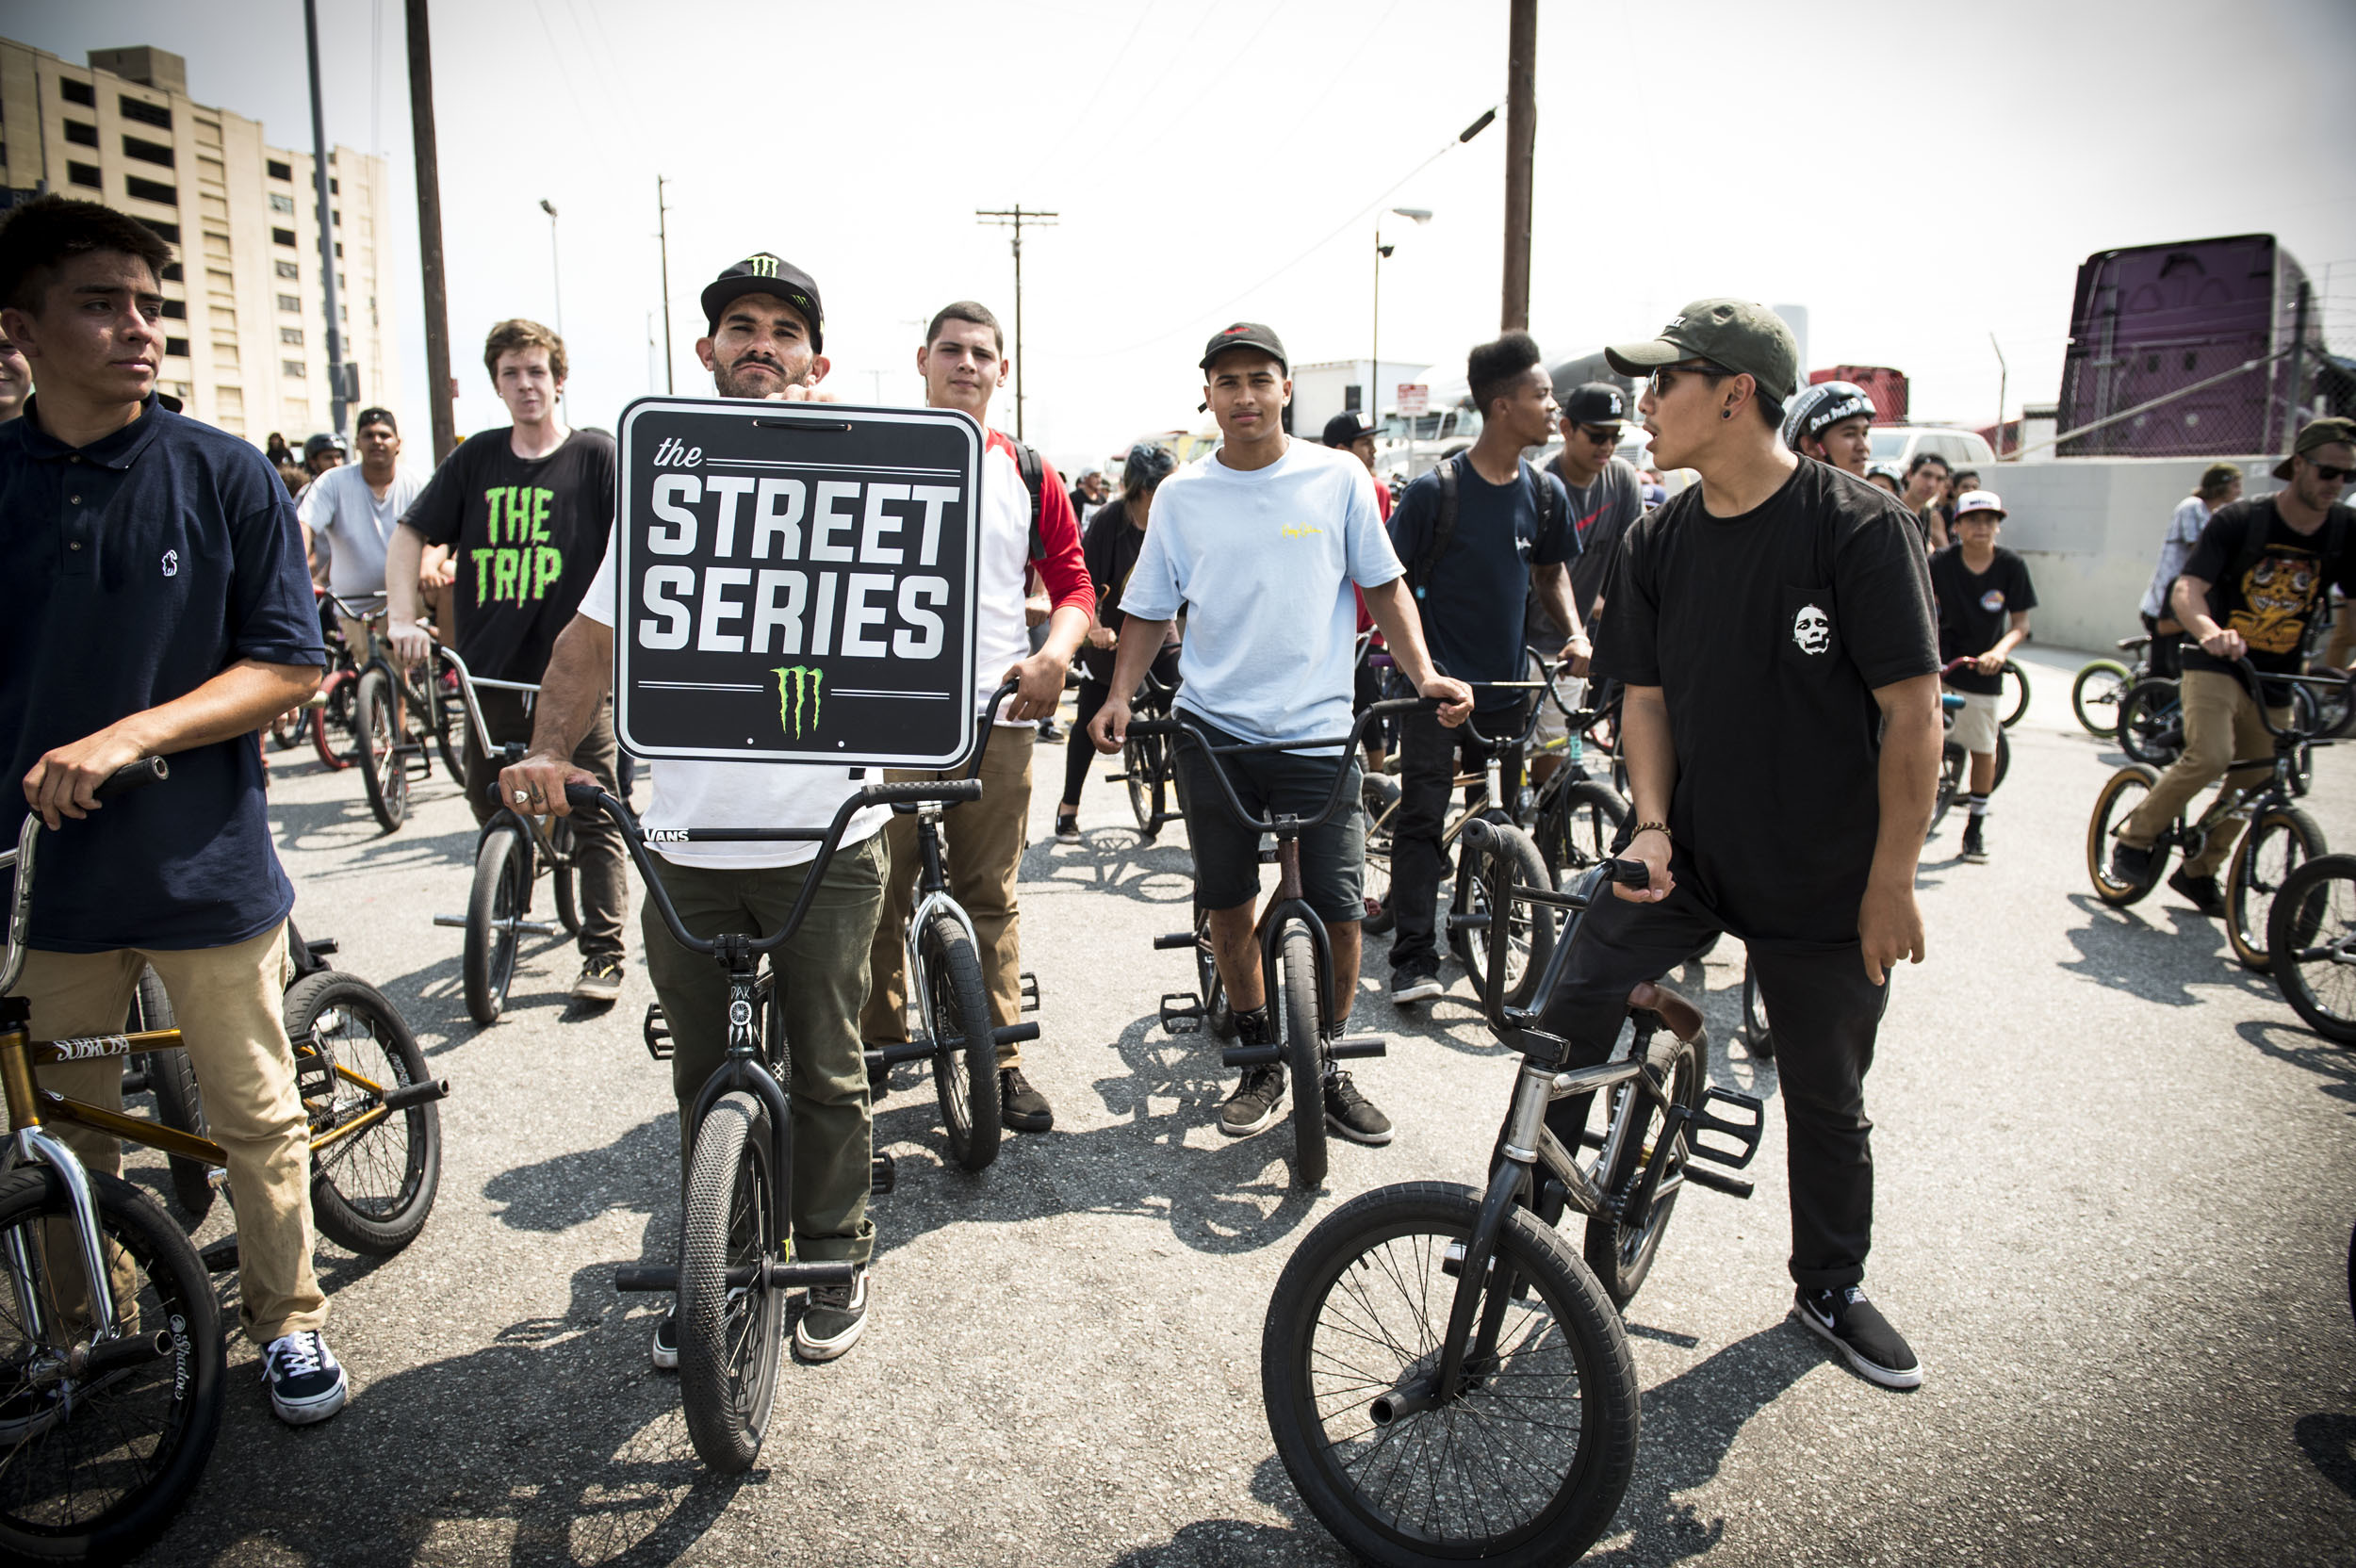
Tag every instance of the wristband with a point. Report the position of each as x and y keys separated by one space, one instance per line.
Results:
x=1660 y=828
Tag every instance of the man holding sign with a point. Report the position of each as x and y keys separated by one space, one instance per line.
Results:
x=765 y=338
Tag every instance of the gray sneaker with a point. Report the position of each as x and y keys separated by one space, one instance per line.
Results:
x=835 y=1315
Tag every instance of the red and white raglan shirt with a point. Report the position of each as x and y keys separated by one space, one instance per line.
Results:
x=1001 y=638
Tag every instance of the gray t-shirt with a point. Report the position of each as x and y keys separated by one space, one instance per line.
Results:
x=340 y=508
x=1601 y=511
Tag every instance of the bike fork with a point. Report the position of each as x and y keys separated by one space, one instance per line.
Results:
x=32 y=1145
x=1508 y=1184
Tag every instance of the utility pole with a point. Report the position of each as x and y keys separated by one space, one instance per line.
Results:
x=339 y=408
x=1521 y=157
x=1014 y=218
x=663 y=242
x=430 y=231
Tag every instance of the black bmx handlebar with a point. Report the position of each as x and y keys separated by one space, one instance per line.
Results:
x=1284 y=826
x=2255 y=683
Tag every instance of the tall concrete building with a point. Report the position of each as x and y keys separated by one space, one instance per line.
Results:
x=244 y=300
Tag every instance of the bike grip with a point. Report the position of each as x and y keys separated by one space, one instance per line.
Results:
x=1152 y=726
x=1631 y=873
x=583 y=798
x=132 y=776
x=948 y=790
x=1404 y=705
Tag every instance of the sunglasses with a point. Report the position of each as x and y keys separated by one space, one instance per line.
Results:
x=1602 y=436
x=2329 y=474
x=1660 y=382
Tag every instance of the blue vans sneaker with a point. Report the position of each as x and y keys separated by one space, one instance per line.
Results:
x=306 y=1383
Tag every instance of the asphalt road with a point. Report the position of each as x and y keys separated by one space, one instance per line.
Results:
x=2115 y=1183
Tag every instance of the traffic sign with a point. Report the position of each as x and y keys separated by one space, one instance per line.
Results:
x=1413 y=397
x=796 y=583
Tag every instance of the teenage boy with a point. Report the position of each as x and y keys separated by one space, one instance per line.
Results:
x=1779 y=606
x=1480 y=534
x=1607 y=494
x=524 y=511
x=763 y=337
x=1832 y=423
x=2260 y=576
x=2220 y=486
x=963 y=361
x=355 y=509
x=1984 y=596
x=1926 y=486
x=159 y=606
x=1259 y=544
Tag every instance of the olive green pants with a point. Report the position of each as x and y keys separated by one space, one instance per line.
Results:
x=821 y=984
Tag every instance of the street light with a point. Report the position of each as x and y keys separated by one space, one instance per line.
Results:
x=556 y=282
x=1419 y=216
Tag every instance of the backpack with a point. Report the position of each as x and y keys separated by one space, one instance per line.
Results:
x=1444 y=526
x=1034 y=479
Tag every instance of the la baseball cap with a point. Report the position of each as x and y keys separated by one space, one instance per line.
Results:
x=764 y=273
x=1741 y=336
x=1344 y=429
x=1598 y=402
x=1245 y=334
x=1979 y=501
x=2317 y=433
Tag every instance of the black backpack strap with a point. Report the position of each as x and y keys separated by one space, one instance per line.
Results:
x=1443 y=530
x=1543 y=494
x=1034 y=480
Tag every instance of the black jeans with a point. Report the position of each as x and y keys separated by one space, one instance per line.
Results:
x=1081 y=754
x=1825 y=1015
x=1427 y=768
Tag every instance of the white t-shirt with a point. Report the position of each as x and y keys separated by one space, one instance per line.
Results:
x=1001 y=638
x=690 y=794
x=340 y=507
x=2183 y=533
x=1263 y=560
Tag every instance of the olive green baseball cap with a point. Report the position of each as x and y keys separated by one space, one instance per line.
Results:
x=2317 y=433
x=1741 y=336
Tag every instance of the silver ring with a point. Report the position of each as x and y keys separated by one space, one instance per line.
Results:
x=521 y=797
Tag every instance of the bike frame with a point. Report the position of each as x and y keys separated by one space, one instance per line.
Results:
x=2247 y=800
x=933 y=894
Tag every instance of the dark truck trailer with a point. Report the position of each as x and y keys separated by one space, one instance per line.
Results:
x=2166 y=326
x=1885 y=385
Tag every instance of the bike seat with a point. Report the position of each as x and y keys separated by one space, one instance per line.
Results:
x=1681 y=1018
x=2134 y=645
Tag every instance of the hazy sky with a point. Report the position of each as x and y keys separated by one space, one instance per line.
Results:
x=1918 y=175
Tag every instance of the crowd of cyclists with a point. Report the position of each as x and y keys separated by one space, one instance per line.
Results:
x=1787 y=604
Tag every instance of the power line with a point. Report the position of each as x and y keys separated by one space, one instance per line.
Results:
x=1014 y=218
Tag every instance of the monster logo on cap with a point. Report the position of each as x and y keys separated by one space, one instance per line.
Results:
x=763 y=273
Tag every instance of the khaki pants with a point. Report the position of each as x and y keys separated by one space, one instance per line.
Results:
x=981 y=849
x=228 y=1003
x=2221 y=724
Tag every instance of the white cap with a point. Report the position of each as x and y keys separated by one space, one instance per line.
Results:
x=1978 y=500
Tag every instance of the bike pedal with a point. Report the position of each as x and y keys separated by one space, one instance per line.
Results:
x=892 y=1055
x=1252 y=1055
x=1116 y=778
x=1746 y=1132
x=1181 y=1008
x=1349 y=1046
x=881 y=1176
x=221 y=1257
x=1027 y=990
x=1175 y=938
x=1014 y=1033
x=657 y=1033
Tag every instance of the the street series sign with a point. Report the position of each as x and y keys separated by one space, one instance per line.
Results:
x=795 y=582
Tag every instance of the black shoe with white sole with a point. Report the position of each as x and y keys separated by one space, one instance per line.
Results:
x=1253 y=1105
x=1020 y=1106
x=1856 y=1327
x=836 y=1316
x=1351 y=1114
x=665 y=1349
x=305 y=1383
x=1416 y=980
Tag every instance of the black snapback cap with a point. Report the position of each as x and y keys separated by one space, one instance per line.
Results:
x=764 y=273
x=1245 y=334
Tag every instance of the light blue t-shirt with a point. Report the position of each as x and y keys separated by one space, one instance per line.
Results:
x=1262 y=562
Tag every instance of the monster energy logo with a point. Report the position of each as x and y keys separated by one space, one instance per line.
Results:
x=795 y=682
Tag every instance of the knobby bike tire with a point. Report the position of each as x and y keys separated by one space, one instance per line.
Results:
x=172 y=1078
x=449 y=728
x=1304 y=1056
x=2094 y=696
x=1141 y=761
x=67 y=1493
x=2279 y=841
x=379 y=740
x=1758 y=1031
x=2113 y=804
x=1579 y=829
x=1362 y=1307
x=371 y=1192
x=1219 y=1015
x=287 y=730
x=1955 y=772
x=2013 y=674
x=564 y=880
x=501 y=894
x=2152 y=723
x=1528 y=930
x=331 y=720
x=1378 y=797
x=729 y=1340
x=2311 y=933
x=965 y=1051
x=1621 y=1256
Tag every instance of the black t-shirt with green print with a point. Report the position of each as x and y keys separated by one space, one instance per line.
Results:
x=526 y=535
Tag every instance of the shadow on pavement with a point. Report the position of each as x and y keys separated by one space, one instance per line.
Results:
x=2330 y=1443
x=2154 y=952
x=1113 y=860
x=2293 y=1043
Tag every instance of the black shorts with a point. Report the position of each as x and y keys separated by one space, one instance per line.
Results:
x=1227 y=854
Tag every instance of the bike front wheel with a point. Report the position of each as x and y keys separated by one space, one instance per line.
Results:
x=1524 y=1465
x=372 y=1187
x=2282 y=840
x=1142 y=758
x=1303 y=1026
x=1526 y=930
x=179 y=1105
x=965 y=1051
x=331 y=720
x=382 y=768
x=2094 y=695
x=1620 y=1253
x=729 y=1331
x=2113 y=804
x=2015 y=698
x=2311 y=932
x=1758 y=1033
x=2152 y=723
x=502 y=890
x=99 y=1463
x=1578 y=830
x=1378 y=797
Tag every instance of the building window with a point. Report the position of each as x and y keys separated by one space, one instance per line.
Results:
x=145 y=112
x=168 y=232
x=147 y=152
x=282 y=204
x=281 y=171
x=77 y=92
x=291 y=336
x=150 y=190
x=335 y=185
x=335 y=216
x=80 y=134
x=339 y=255
x=82 y=173
x=176 y=310
x=171 y=271
x=288 y=270
x=176 y=348
x=295 y=367
x=290 y=302
x=283 y=237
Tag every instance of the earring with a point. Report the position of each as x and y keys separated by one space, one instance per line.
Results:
x=1726 y=414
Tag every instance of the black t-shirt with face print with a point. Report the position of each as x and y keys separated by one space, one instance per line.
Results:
x=1768 y=634
x=2272 y=598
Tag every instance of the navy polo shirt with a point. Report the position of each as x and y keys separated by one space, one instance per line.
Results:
x=138 y=568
